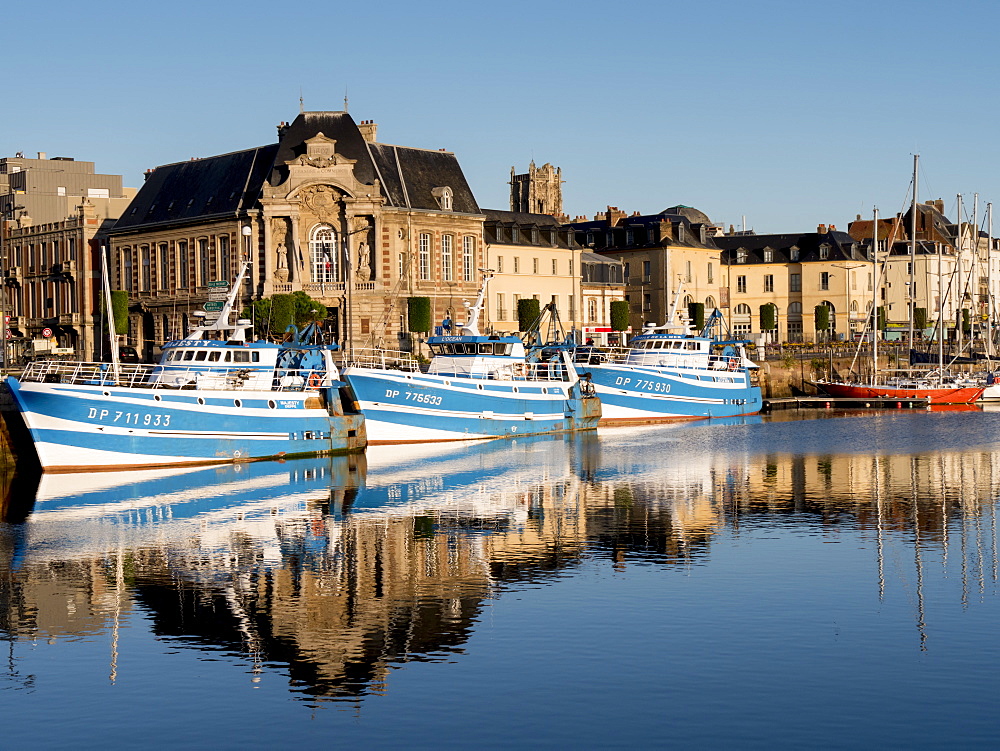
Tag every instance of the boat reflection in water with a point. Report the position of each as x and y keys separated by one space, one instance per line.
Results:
x=322 y=564
x=332 y=571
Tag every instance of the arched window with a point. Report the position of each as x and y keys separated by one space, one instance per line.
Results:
x=710 y=303
x=742 y=309
x=795 y=309
x=854 y=306
x=592 y=310
x=688 y=300
x=323 y=257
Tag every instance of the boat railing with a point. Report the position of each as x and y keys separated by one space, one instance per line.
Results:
x=384 y=359
x=176 y=377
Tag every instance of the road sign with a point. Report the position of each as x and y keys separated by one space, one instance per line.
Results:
x=218 y=295
x=6 y=319
x=213 y=305
x=46 y=333
x=9 y=334
x=219 y=284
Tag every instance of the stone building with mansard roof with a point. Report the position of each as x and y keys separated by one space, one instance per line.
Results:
x=359 y=225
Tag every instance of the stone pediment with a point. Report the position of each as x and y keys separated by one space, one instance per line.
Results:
x=321 y=152
x=322 y=165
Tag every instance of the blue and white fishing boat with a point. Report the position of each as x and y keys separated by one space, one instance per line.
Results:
x=214 y=397
x=670 y=376
x=476 y=386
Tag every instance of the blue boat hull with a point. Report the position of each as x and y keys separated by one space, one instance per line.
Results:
x=649 y=394
x=83 y=427
x=402 y=407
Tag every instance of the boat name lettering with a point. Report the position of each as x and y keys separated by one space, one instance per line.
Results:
x=391 y=393
x=424 y=398
x=622 y=381
x=129 y=418
x=652 y=386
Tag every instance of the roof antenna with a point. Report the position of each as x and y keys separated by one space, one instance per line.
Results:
x=345 y=99
x=302 y=103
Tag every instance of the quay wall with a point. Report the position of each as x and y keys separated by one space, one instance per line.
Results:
x=777 y=377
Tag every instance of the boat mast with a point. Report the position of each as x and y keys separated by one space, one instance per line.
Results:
x=913 y=248
x=974 y=276
x=875 y=287
x=940 y=318
x=957 y=276
x=109 y=311
x=989 y=282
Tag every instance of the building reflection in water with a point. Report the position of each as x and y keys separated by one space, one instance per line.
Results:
x=334 y=570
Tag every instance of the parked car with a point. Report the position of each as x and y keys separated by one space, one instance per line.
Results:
x=126 y=355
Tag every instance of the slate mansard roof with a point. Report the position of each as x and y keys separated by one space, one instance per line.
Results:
x=840 y=246
x=227 y=184
x=199 y=189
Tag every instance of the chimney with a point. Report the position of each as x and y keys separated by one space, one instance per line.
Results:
x=42 y=155
x=615 y=215
x=368 y=129
x=821 y=229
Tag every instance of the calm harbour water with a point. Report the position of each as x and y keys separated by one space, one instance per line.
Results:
x=761 y=583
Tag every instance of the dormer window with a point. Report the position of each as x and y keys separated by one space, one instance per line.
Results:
x=768 y=255
x=793 y=253
x=741 y=255
x=824 y=251
x=445 y=198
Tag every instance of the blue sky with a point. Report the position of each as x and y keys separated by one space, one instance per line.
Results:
x=790 y=113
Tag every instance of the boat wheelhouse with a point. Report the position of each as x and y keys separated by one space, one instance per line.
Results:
x=670 y=376
x=214 y=397
x=476 y=386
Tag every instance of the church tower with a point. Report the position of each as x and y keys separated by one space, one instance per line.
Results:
x=537 y=192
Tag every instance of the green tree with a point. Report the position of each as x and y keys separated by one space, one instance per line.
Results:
x=418 y=315
x=619 y=315
x=966 y=320
x=822 y=315
x=528 y=311
x=768 y=320
x=920 y=318
x=880 y=318
x=273 y=315
x=119 y=310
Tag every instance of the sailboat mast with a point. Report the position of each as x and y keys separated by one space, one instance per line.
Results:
x=974 y=275
x=913 y=248
x=957 y=279
x=989 y=281
x=875 y=286
x=940 y=312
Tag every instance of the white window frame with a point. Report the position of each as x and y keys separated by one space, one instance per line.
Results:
x=424 y=245
x=324 y=259
x=447 y=257
x=468 y=258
